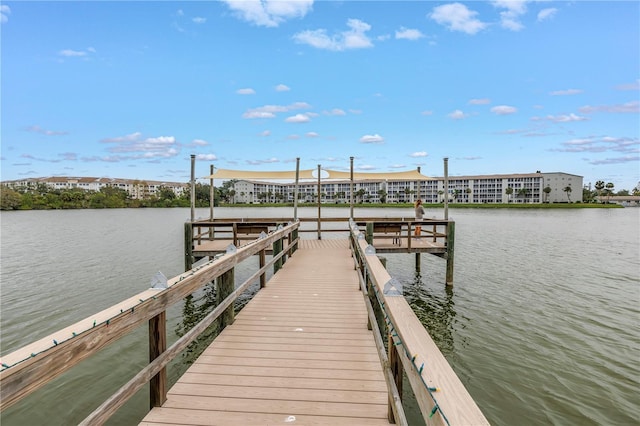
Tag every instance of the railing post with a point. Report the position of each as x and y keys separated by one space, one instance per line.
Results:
x=157 y=345
x=226 y=285
x=188 y=246
x=294 y=234
x=451 y=236
x=277 y=248
x=263 y=276
x=395 y=365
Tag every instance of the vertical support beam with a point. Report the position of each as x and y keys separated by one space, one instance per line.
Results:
x=188 y=246
x=193 y=187
x=451 y=236
x=277 y=248
x=446 y=188
x=212 y=197
x=157 y=345
x=418 y=262
x=294 y=235
x=319 y=216
x=351 y=190
x=226 y=285
x=369 y=233
x=395 y=365
x=263 y=261
x=295 y=190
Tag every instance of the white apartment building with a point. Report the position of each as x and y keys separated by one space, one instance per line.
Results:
x=137 y=189
x=525 y=188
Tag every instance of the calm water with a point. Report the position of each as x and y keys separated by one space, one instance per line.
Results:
x=541 y=325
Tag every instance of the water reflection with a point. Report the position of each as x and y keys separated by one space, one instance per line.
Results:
x=435 y=311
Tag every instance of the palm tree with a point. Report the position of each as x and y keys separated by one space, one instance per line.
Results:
x=509 y=191
x=360 y=193
x=546 y=191
x=456 y=193
x=599 y=187
x=441 y=193
x=382 y=195
x=567 y=189
x=524 y=192
x=609 y=187
x=468 y=191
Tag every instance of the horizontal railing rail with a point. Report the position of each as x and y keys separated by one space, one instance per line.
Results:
x=441 y=396
x=31 y=367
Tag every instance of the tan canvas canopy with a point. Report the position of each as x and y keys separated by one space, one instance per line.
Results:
x=312 y=174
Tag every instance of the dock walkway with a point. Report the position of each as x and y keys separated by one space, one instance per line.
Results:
x=299 y=352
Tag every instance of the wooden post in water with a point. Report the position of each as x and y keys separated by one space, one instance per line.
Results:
x=418 y=262
x=319 y=190
x=188 y=246
x=212 y=197
x=295 y=190
x=193 y=187
x=226 y=285
x=451 y=236
x=157 y=345
x=369 y=233
x=351 y=190
x=446 y=187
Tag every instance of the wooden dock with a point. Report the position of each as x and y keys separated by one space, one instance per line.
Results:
x=307 y=349
x=299 y=352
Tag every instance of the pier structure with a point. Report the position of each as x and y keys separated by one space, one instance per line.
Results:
x=307 y=348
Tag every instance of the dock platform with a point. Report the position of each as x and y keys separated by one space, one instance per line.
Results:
x=299 y=352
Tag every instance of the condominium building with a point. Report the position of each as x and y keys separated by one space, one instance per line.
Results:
x=136 y=189
x=511 y=188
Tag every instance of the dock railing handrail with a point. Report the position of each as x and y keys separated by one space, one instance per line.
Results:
x=441 y=396
x=29 y=368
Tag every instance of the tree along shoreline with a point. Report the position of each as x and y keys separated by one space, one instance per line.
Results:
x=45 y=198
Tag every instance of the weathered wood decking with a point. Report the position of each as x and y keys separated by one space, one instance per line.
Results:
x=299 y=352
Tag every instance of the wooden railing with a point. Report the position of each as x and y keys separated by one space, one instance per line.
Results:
x=441 y=396
x=32 y=366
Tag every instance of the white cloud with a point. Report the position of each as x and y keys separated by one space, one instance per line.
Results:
x=408 y=34
x=366 y=167
x=282 y=88
x=457 y=115
x=482 y=101
x=335 y=111
x=510 y=18
x=504 y=110
x=180 y=12
x=427 y=112
x=246 y=91
x=199 y=20
x=418 y=154
x=298 y=118
x=457 y=17
x=632 y=107
x=566 y=92
x=372 y=139
x=354 y=38
x=312 y=135
x=38 y=129
x=269 y=111
x=4 y=12
x=70 y=53
x=629 y=86
x=199 y=142
x=206 y=157
x=269 y=13
x=565 y=118
x=548 y=13
x=265 y=133
x=139 y=148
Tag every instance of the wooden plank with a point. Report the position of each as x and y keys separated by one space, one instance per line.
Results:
x=220 y=359
x=171 y=416
x=286 y=382
x=260 y=371
x=247 y=405
x=266 y=353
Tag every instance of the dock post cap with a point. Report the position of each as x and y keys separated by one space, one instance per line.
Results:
x=360 y=236
x=262 y=235
x=393 y=287
x=370 y=250
x=231 y=248
x=279 y=227
x=159 y=281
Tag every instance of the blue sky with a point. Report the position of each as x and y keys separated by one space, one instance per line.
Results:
x=132 y=89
